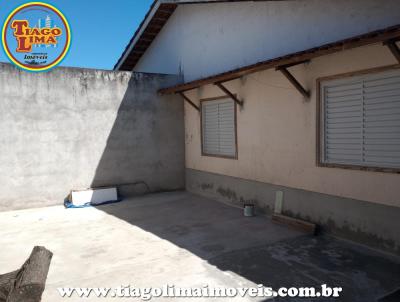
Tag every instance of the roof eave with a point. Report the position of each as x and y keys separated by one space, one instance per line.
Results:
x=154 y=7
x=383 y=35
x=131 y=56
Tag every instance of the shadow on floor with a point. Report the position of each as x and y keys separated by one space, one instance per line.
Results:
x=145 y=152
x=259 y=250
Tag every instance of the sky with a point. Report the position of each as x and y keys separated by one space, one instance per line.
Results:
x=101 y=29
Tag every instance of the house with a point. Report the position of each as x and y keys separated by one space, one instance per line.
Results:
x=300 y=97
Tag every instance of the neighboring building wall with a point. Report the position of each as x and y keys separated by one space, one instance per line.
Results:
x=277 y=148
x=77 y=128
x=204 y=39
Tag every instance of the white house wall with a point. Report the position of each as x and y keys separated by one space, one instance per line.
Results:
x=204 y=39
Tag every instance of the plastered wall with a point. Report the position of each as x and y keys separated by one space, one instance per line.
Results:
x=277 y=132
x=205 y=39
x=74 y=128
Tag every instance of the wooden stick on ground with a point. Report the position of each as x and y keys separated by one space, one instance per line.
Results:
x=27 y=284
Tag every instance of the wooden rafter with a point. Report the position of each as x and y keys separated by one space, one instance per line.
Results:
x=391 y=44
x=293 y=64
x=165 y=11
x=158 y=19
x=294 y=82
x=230 y=94
x=144 y=36
x=189 y=101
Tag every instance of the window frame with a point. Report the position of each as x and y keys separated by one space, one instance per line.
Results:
x=236 y=155
x=320 y=122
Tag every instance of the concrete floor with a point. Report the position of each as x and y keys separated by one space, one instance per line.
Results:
x=186 y=240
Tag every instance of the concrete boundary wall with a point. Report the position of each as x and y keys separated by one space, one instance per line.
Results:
x=364 y=222
x=76 y=128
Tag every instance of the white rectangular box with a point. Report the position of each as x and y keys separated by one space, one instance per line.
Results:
x=94 y=196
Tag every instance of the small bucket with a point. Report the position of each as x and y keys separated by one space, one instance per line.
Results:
x=248 y=210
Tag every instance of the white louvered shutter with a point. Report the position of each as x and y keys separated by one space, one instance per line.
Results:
x=361 y=120
x=219 y=136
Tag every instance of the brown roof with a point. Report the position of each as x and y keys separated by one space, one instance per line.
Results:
x=383 y=35
x=155 y=19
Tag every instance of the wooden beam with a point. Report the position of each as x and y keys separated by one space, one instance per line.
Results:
x=136 y=51
x=295 y=83
x=293 y=64
x=158 y=19
x=297 y=224
x=141 y=47
x=394 y=49
x=165 y=11
x=149 y=35
x=189 y=101
x=152 y=31
x=155 y=26
x=163 y=14
x=230 y=94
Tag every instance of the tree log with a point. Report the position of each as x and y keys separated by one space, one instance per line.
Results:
x=27 y=284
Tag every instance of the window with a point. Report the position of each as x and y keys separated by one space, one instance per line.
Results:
x=360 y=120
x=218 y=118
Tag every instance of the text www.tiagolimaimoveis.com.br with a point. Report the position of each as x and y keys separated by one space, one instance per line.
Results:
x=171 y=291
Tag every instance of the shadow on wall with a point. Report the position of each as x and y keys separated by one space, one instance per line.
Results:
x=74 y=128
x=145 y=152
x=145 y=148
